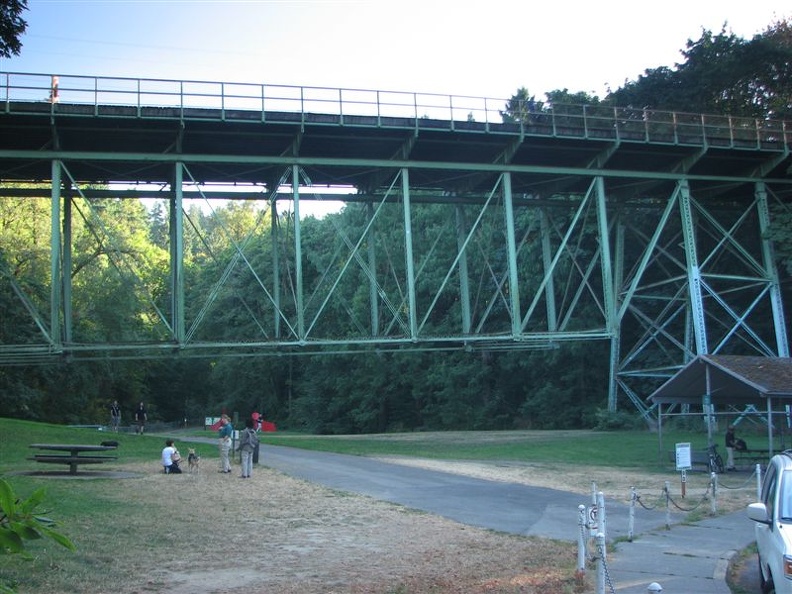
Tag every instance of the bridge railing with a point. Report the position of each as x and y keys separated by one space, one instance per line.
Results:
x=160 y=98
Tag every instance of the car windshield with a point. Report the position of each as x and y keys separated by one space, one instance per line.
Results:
x=785 y=503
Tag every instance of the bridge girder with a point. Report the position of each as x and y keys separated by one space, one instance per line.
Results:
x=551 y=205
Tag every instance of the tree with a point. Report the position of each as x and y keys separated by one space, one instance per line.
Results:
x=12 y=26
x=520 y=107
x=561 y=97
x=721 y=74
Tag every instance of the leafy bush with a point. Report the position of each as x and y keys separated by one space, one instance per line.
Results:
x=19 y=521
x=608 y=420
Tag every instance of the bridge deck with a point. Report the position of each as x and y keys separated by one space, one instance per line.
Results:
x=248 y=133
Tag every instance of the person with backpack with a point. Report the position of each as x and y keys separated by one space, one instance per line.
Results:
x=248 y=442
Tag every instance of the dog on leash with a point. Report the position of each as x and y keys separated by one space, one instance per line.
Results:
x=193 y=460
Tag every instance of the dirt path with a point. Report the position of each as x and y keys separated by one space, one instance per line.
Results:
x=275 y=534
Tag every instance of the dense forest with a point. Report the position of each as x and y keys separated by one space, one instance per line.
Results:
x=353 y=393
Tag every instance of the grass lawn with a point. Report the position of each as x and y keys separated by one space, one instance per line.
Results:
x=101 y=516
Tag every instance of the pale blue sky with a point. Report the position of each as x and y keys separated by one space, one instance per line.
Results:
x=453 y=47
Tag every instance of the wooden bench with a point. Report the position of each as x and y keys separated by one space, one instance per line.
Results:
x=697 y=458
x=71 y=455
x=752 y=456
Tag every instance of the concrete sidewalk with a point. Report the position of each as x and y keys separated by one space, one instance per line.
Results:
x=685 y=559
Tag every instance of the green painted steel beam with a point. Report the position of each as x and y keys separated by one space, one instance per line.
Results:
x=371 y=252
x=48 y=155
x=56 y=275
x=511 y=251
x=176 y=245
x=464 y=278
x=408 y=249
x=771 y=270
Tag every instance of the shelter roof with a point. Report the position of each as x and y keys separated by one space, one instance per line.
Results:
x=728 y=379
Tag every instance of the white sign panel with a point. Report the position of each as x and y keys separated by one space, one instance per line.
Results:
x=683 y=456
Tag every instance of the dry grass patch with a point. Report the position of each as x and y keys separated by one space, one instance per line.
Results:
x=216 y=533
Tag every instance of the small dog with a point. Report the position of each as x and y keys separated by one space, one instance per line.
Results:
x=110 y=444
x=193 y=460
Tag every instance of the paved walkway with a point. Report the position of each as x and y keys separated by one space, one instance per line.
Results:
x=687 y=559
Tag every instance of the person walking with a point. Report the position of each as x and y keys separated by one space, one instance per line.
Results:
x=141 y=417
x=247 y=445
x=115 y=416
x=224 y=434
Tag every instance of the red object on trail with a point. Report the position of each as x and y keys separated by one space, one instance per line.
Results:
x=262 y=424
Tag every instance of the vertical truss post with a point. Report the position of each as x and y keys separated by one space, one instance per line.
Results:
x=547 y=264
x=56 y=279
x=771 y=271
x=608 y=292
x=298 y=271
x=618 y=281
x=408 y=251
x=176 y=227
x=511 y=243
x=276 y=280
x=693 y=270
x=372 y=263
x=67 y=267
x=464 y=280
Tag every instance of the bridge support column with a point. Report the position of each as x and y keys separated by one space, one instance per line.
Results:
x=514 y=283
x=408 y=250
x=769 y=262
x=693 y=269
x=276 y=281
x=608 y=291
x=547 y=265
x=66 y=266
x=298 y=269
x=176 y=230
x=464 y=281
x=372 y=263
x=55 y=256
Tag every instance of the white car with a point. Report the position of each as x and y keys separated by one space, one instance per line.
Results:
x=773 y=517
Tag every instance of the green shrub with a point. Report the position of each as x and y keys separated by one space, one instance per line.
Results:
x=608 y=420
x=20 y=521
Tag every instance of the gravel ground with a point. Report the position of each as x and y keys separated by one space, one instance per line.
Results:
x=212 y=533
x=275 y=534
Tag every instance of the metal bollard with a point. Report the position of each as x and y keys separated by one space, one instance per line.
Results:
x=631 y=524
x=714 y=483
x=594 y=522
x=601 y=560
x=581 y=559
x=668 y=507
x=603 y=527
x=758 y=482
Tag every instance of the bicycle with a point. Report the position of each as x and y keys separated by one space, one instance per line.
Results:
x=714 y=461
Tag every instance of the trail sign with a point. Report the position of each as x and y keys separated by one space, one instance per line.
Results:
x=683 y=456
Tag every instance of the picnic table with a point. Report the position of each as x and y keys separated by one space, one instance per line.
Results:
x=754 y=455
x=71 y=454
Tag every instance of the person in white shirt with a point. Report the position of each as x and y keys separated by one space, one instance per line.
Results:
x=170 y=458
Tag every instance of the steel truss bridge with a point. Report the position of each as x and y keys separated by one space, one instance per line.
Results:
x=645 y=229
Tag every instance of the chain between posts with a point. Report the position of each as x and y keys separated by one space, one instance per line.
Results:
x=603 y=573
x=593 y=519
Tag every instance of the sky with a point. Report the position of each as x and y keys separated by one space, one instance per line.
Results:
x=478 y=49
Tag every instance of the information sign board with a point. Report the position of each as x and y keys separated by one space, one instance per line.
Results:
x=683 y=456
